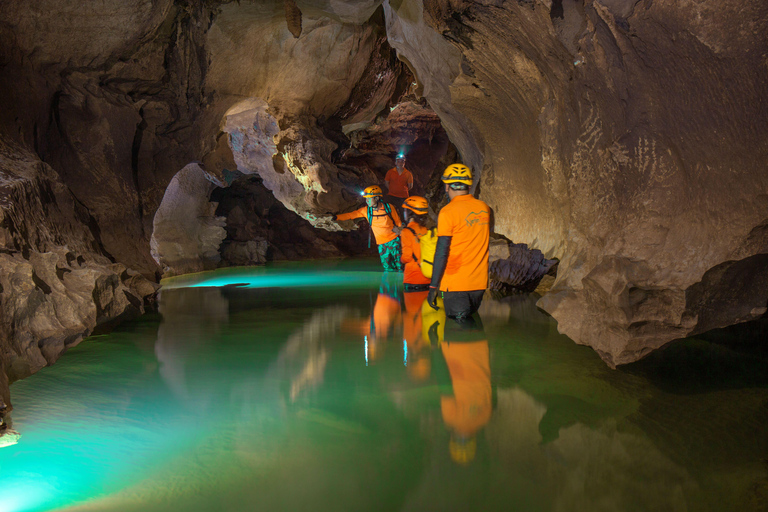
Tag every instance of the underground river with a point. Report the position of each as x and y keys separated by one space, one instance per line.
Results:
x=322 y=387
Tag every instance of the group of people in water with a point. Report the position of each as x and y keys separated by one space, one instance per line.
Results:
x=460 y=263
x=452 y=293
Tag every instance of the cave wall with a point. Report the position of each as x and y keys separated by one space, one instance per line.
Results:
x=57 y=284
x=627 y=138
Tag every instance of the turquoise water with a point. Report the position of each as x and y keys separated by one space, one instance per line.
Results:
x=278 y=389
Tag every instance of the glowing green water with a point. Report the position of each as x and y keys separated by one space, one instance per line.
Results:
x=239 y=397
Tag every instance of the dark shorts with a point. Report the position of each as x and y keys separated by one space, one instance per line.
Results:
x=460 y=305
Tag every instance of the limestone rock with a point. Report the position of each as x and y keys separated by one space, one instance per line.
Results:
x=626 y=139
x=187 y=233
x=56 y=284
x=253 y=213
x=523 y=269
x=252 y=252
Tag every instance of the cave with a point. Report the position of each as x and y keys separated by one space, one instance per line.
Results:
x=170 y=176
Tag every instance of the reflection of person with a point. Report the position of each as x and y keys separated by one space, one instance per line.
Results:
x=461 y=256
x=383 y=321
x=419 y=363
x=415 y=213
x=399 y=182
x=469 y=409
x=385 y=225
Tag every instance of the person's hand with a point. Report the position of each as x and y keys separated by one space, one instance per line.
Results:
x=432 y=298
x=397 y=230
x=332 y=215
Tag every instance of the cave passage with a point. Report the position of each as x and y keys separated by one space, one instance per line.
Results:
x=321 y=386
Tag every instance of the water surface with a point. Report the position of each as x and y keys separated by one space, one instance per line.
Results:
x=297 y=387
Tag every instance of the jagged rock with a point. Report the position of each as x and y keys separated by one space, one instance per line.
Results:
x=56 y=285
x=626 y=139
x=252 y=212
x=523 y=269
x=252 y=252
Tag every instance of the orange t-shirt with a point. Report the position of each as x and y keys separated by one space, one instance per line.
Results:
x=412 y=254
x=399 y=184
x=381 y=223
x=467 y=221
x=470 y=407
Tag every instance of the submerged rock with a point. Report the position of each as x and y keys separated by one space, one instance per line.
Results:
x=9 y=437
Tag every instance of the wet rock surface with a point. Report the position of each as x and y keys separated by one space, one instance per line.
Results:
x=626 y=139
x=515 y=267
x=56 y=282
x=261 y=228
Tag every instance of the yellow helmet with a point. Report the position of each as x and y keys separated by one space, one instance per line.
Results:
x=457 y=173
x=416 y=204
x=373 y=191
x=462 y=450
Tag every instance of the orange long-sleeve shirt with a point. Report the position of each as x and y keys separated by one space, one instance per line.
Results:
x=381 y=224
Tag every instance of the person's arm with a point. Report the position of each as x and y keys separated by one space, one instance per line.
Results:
x=438 y=269
x=396 y=219
x=410 y=180
x=356 y=214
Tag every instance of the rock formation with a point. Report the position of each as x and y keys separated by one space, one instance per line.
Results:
x=626 y=138
x=515 y=267
x=57 y=284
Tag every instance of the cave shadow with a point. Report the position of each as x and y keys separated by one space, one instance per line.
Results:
x=733 y=357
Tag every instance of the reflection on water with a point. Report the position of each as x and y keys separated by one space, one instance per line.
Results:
x=278 y=390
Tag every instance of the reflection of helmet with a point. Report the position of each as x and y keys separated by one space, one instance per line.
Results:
x=462 y=449
x=373 y=191
x=457 y=173
x=416 y=204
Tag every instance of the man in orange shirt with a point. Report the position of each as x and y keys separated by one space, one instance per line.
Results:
x=461 y=256
x=385 y=225
x=399 y=182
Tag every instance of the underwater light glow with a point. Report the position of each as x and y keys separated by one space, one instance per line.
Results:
x=261 y=278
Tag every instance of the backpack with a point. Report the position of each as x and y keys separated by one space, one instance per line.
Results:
x=427 y=246
x=388 y=209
